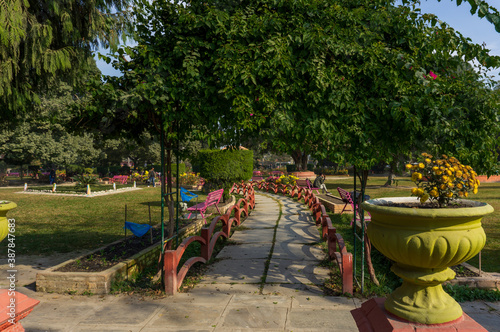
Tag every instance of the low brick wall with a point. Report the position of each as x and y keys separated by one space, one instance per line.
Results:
x=484 y=178
x=94 y=282
x=487 y=280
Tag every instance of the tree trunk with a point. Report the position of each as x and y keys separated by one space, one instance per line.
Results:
x=369 y=264
x=368 y=246
x=300 y=159
x=304 y=161
x=392 y=174
x=167 y=182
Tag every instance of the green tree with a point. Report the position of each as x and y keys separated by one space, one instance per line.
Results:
x=43 y=135
x=43 y=41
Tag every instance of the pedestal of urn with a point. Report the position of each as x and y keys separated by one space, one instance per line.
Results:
x=424 y=243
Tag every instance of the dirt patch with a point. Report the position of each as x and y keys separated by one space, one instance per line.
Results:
x=463 y=272
x=115 y=253
x=426 y=205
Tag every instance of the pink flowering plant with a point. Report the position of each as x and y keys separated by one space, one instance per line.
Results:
x=442 y=180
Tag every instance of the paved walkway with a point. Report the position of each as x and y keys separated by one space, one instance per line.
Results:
x=267 y=281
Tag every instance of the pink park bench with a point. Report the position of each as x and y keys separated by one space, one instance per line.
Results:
x=213 y=198
x=306 y=184
x=347 y=199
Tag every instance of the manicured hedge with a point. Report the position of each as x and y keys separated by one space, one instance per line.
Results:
x=221 y=168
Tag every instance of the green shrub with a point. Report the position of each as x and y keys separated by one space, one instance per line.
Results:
x=291 y=168
x=221 y=168
x=84 y=179
x=74 y=169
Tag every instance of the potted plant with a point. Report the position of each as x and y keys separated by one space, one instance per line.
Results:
x=427 y=235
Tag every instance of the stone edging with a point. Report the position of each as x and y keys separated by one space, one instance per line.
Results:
x=93 y=194
x=487 y=280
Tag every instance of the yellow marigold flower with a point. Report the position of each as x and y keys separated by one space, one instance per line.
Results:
x=449 y=194
x=469 y=168
x=458 y=173
x=435 y=168
x=444 y=178
x=424 y=198
x=420 y=192
x=416 y=176
x=449 y=172
x=439 y=162
x=428 y=161
x=466 y=194
x=445 y=156
x=478 y=182
x=414 y=191
x=433 y=193
x=460 y=185
x=409 y=166
x=442 y=187
x=439 y=172
x=421 y=165
x=424 y=154
x=461 y=193
x=442 y=168
x=450 y=185
x=447 y=165
x=475 y=190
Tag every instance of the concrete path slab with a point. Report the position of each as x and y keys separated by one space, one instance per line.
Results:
x=253 y=236
x=297 y=252
x=249 y=251
x=235 y=271
x=305 y=234
x=293 y=272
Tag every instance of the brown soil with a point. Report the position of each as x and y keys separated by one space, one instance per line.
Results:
x=113 y=254
x=426 y=205
x=462 y=271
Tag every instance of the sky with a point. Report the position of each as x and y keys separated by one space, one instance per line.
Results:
x=459 y=17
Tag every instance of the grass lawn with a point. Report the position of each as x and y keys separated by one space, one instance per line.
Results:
x=488 y=192
x=48 y=224
x=83 y=190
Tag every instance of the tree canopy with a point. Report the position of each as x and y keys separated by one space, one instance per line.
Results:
x=360 y=81
x=43 y=41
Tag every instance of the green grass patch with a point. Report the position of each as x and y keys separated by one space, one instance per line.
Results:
x=80 y=189
x=47 y=224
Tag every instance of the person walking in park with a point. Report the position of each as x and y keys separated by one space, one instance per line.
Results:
x=52 y=176
x=152 y=177
x=319 y=182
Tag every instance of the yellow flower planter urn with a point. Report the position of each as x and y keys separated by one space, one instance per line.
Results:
x=5 y=207
x=424 y=243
